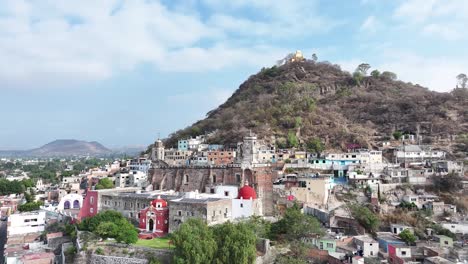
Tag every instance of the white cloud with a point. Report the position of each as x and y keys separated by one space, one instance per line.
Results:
x=444 y=19
x=55 y=42
x=370 y=25
x=444 y=32
x=435 y=73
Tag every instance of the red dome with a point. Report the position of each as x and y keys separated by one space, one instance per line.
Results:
x=247 y=192
x=162 y=203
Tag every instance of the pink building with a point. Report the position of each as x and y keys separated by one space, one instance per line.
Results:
x=90 y=205
x=154 y=220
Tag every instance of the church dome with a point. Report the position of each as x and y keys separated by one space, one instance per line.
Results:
x=247 y=192
x=159 y=203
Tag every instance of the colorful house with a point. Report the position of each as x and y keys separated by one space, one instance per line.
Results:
x=154 y=220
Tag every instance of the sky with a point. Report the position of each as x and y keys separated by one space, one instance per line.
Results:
x=123 y=72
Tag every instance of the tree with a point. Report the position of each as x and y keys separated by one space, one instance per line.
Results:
x=375 y=73
x=314 y=57
x=388 y=75
x=365 y=217
x=31 y=206
x=259 y=226
x=194 y=243
x=107 y=230
x=462 y=80
x=407 y=236
x=236 y=244
x=450 y=183
x=363 y=68
x=104 y=183
x=397 y=135
x=295 y=224
x=358 y=77
x=111 y=224
x=315 y=145
x=293 y=142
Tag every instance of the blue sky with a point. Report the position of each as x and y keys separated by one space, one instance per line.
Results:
x=120 y=72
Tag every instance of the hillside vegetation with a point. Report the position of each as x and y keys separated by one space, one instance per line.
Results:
x=304 y=102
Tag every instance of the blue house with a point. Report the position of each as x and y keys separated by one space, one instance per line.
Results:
x=182 y=145
x=386 y=238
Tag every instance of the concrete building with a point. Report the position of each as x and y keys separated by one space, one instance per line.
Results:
x=177 y=157
x=70 y=201
x=312 y=190
x=417 y=154
x=221 y=157
x=444 y=241
x=396 y=229
x=369 y=246
x=457 y=228
x=27 y=222
x=212 y=210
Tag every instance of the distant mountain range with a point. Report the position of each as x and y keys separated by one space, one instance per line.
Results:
x=69 y=147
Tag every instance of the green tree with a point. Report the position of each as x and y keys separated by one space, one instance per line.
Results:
x=363 y=68
x=450 y=183
x=375 y=73
x=293 y=142
x=365 y=217
x=295 y=225
x=408 y=237
x=104 y=183
x=388 y=75
x=236 y=244
x=315 y=145
x=31 y=206
x=358 y=77
x=110 y=224
x=397 y=135
x=107 y=229
x=259 y=226
x=462 y=80
x=194 y=243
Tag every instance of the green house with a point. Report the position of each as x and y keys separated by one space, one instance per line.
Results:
x=326 y=244
x=444 y=241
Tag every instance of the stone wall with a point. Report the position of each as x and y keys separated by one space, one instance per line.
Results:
x=100 y=259
x=187 y=179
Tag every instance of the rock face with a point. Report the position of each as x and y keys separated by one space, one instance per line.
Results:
x=69 y=147
x=319 y=100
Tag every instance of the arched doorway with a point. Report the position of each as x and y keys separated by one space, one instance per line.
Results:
x=151 y=225
x=76 y=204
x=66 y=205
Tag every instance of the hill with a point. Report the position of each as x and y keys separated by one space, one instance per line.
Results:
x=63 y=147
x=70 y=147
x=306 y=101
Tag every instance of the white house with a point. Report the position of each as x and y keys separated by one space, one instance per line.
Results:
x=70 y=201
x=28 y=222
x=369 y=246
x=456 y=228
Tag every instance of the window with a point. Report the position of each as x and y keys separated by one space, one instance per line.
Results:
x=188 y=213
x=91 y=210
x=179 y=213
x=372 y=253
x=403 y=253
x=91 y=200
x=242 y=205
x=446 y=242
x=226 y=193
x=329 y=245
